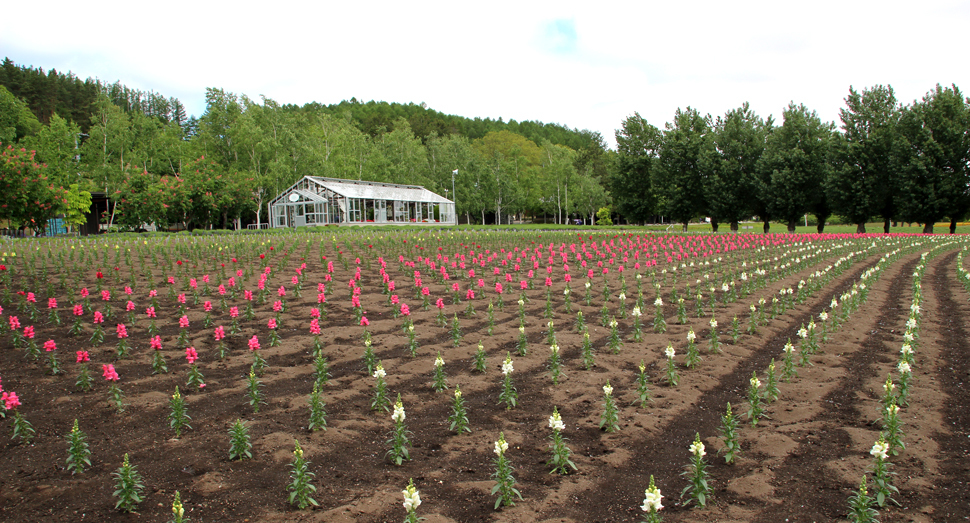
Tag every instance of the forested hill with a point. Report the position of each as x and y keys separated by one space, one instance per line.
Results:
x=52 y=92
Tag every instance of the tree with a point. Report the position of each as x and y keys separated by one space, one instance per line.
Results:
x=866 y=185
x=30 y=199
x=57 y=147
x=637 y=144
x=933 y=150
x=679 y=176
x=511 y=161
x=76 y=207
x=16 y=120
x=796 y=158
x=558 y=173
x=589 y=196
x=739 y=142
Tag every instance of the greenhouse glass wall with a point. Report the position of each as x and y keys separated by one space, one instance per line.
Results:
x=332 y=201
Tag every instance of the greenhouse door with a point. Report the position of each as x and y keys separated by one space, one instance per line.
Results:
x=380 y=211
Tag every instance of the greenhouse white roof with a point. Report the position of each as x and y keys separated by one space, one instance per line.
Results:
x=379 y=191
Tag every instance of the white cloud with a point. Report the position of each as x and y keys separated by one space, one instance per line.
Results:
x=578 y=64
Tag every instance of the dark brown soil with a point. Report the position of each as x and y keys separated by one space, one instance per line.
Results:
x=800 y=464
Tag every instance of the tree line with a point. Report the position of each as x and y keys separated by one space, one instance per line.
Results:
x=894 y=162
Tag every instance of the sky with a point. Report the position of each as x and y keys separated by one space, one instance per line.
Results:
x=585 y=65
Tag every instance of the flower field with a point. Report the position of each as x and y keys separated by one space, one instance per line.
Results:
x=369 y=376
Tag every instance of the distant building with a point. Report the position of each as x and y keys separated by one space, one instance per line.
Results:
x=331 y=201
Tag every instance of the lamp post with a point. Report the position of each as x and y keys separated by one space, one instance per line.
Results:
x=454 y=195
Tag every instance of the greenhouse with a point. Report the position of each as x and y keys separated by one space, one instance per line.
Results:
x=330 y=201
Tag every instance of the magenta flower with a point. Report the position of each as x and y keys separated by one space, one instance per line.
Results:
x=82 y=356
x=405 y=310
x=152 y=293
x=184 y=322
x=109 y=373
x=314 y=326
x=470 y=295
x=314 y=312
x=150 y=312
x=14 y=323
x=10 y=400
x=363 y=321
x=156 y=342
x=321 y=298
x=130 y=306
x=254 y=343
x=394 y=299
x=191 y=355
x=321 y=287
x=568 y=278
x=31 y=298
x=78 y=309
x=440 y=303
x=233 y=312
x=29 y=332
x=181 y=298
x=425 y=291
x=219 y=333
x=222 y=290
x=277 y=306
x=295 y=280
x=548 y=282
x=282 y=291
x=49 y=345
x=248 y=295
x=122 y=331
x=128 y=290
x=106 y=295
x=51 y=303
x=207 y=306
x=98 y=317
x=271 y=323
x=390 y=285
x=84 y=292
x=355 y=301
x=523 y=284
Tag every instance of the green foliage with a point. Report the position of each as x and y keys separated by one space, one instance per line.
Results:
x=30 y=198
x=128 y=487
x=678 y=178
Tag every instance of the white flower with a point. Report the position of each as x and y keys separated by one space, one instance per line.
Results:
x=651 y=500
x=636 y=312
x=555 y=422
x=907 y=349
x=789 y=347
x=410 y=327
x=811 y=325
x=398 y=414
x=823 y=316
x=834 y=304
x=521 y=303
x=379 y=373
x=911 y=323
x=507 y=367
x=904 y=368
x=880 y=450
x=755 y=382
x=659 y=302
x=691 y=336
x=565 y=292
x=803 y=333
x=753 y=308
x=613 y=323
x=608 y=389
x=622 y=296
x=554 y=348
x=439 y=362
x=893 y=409
x=669 y=352
x=412 y=498
x=501 y=446
x=713 y=323
x=367 y=343
x=908 y=336
x=588 y=285
x=697 y=449
x=725 y=287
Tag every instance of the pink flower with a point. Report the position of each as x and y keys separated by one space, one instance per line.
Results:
x=568 y=278
x=98 y=317
x=277 y=306
x=254 y=343
x=498 y=288
x=130 y=306
x=78 y=309
x=128 y=290
x=109 y=373
x=82 y=356
x=314 y=326
x=84 y=292
x=31 y=298
x=405 y=310
x=271 y=323
x=190 y=355
x=106 y=295
x=231 y=281
x=193 y=283
x=219 y=333
x=248 y=295
x=171 y=280
x=314 y=312
x=233 y=312
x=222 y=289
x=10 y=400
x=207 y=306
x=150 y=312
x=29 y=332
x=153 y=293
x=470 y=295
x=181 y=298
x=523 y=284
x=321 y=298
x=425 y=291
x=455 y=287
x=51 y=303
x=394 y=299
x=295 y=280
x=321 y=287
x=239 y=273
x=363 y=321
x=481 y=282
x=282 y=291
x=440 y=303
x=184 y=322
x=122 y=331
x=205 y=278
x=49 y=345
x=156 y=342
x=390 y=285
x=548 y=282
x=14 y=323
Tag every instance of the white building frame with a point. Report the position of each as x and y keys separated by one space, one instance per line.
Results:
x=316 y=201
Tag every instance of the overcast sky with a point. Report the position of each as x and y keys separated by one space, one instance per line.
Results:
x=586 y=65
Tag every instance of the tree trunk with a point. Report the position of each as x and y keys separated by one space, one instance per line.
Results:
x=953 y=225
x=885 y=227
x=734 y=226
x=860 y=228
x=767 y=226
x=714 y=225
x=685 y=227
x=791 y=226
x=821 y=227
x=928 y=228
